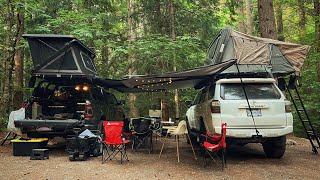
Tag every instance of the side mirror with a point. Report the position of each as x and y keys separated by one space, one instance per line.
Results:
x=189 y=103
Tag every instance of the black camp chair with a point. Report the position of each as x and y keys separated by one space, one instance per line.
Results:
x=143 y=137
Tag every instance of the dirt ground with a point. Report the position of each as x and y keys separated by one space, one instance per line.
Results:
x=247 y=162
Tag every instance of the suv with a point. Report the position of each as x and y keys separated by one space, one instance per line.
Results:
x=269 y=121
x=58 y=105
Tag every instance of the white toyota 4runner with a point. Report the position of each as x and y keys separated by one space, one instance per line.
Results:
x=225 y=102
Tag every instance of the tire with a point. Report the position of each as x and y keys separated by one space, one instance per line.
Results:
x=193 y=138
x=82 y=157
x=275 y=147
x=71 y=157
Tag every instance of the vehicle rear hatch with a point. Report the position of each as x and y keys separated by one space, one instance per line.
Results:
x=266 y=102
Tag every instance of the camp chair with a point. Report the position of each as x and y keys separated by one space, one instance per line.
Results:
x=214 y=143
x=113 y=143
x=143 y=137
x=181 y=129
x=128 y=132
x=156 y=127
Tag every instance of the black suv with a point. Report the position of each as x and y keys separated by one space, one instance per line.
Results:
x=68 y=91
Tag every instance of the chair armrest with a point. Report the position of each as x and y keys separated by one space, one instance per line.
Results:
x=213 y=137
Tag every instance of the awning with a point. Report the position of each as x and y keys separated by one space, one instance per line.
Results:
x=193 y=78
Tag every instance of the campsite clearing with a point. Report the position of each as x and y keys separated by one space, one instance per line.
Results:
x=247 y=162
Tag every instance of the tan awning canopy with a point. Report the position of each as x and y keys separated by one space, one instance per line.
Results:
x=194 y=78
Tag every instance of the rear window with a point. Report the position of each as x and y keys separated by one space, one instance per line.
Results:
x=234 y=91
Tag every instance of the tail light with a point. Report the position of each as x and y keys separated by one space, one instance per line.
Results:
x=288 y=106
x=88 y=112
x=215 y=106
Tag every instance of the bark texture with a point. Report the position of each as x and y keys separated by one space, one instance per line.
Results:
x=134 y=112
x=267 y=25
x=8 y=60
x=302 y=18
x=249 y=22
x=173 y=36
x=18 y=60
x=240 y=11
x=279 y=22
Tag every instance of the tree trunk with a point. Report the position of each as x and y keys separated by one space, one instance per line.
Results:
x=240 y=13
x=164 y=107
x=249 y=22
x=173 y=36
x=8 y=60
x=134 y=112
x=267 y=23
x=302 y=18
x=18 y=59
x=317 y=23
x=279 y=22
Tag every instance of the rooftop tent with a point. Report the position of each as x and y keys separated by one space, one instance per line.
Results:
x=256 y=54
x=193 y=78
x=60 y=55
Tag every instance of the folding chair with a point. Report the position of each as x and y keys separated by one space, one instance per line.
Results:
x=142 y=127
x=113 y=143
x=181 y=129
x=213 y=144
x=128 y=132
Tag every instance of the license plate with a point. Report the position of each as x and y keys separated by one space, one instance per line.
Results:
x=255 y=112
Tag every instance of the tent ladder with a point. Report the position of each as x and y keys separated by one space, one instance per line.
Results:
x=308 y=127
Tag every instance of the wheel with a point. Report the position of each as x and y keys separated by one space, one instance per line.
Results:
x=193 y=138
x=82 y=157
x=275 y=147
x=71 y=157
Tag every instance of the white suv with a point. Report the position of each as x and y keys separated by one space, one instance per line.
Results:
x=225 y=102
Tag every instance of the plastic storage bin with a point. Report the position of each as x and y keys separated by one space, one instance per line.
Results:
x=24 y=147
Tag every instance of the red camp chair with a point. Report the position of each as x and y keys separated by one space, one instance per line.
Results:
x=215 y=143
x=113 y=143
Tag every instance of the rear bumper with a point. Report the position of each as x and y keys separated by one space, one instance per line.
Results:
x=31 y=125
x=264 y=132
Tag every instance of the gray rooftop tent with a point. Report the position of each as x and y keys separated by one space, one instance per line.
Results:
x=60 y=55
x=254 y=54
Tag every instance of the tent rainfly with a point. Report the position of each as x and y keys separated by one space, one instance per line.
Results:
x=254 y=54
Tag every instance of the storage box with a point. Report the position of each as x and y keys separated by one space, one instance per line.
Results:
x=24 y=147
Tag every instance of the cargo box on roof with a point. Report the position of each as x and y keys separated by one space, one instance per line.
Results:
x=58 y=55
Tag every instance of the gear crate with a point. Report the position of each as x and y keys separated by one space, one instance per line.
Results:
x=81 y=148
x=23 y=147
